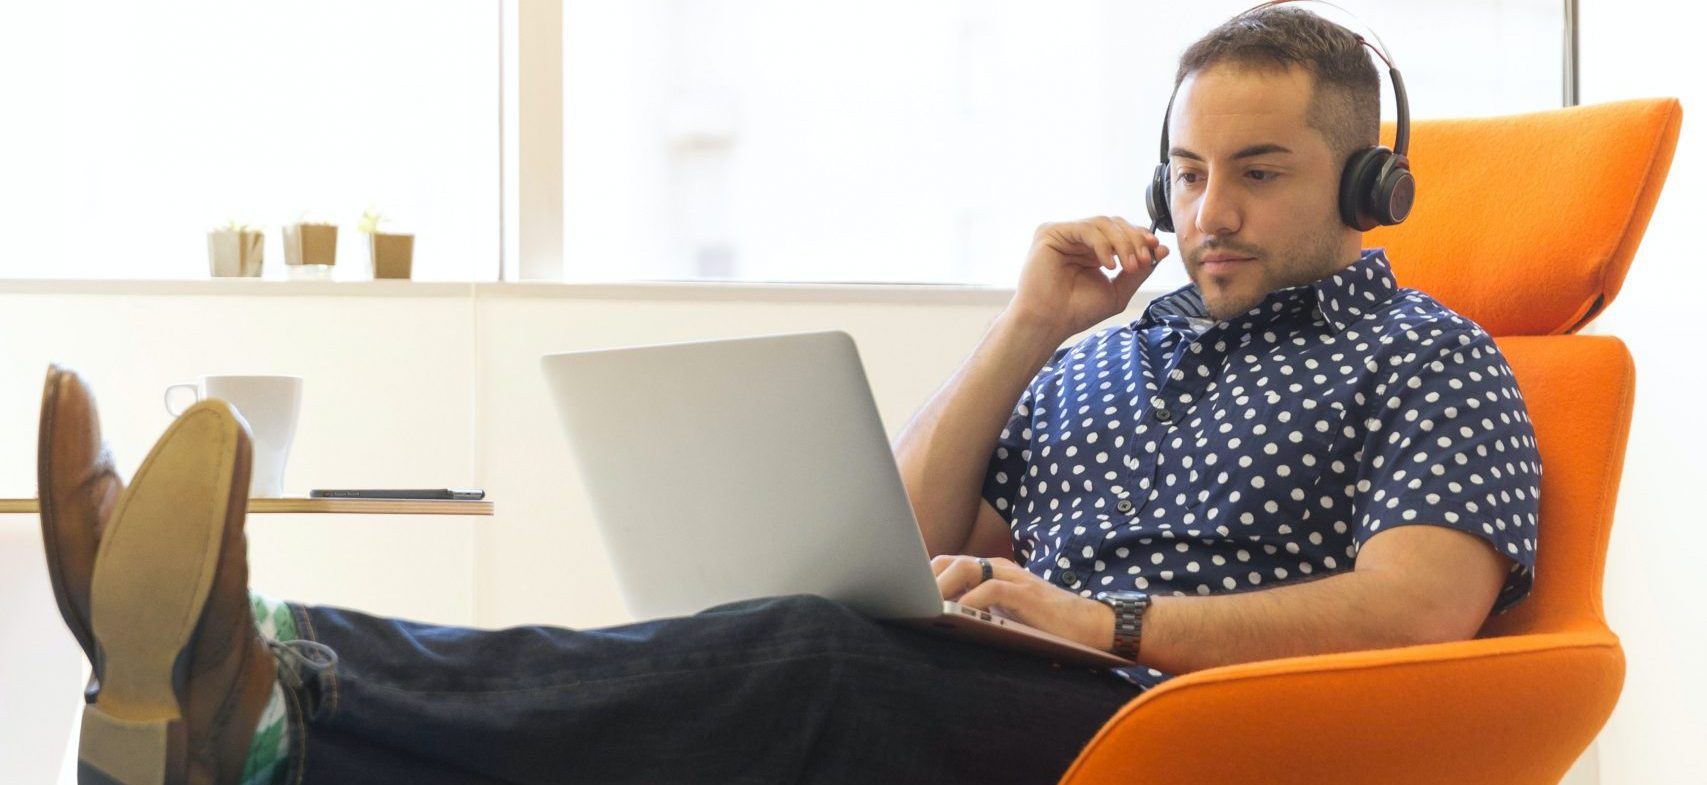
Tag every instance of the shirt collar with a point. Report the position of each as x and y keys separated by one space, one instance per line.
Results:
x=1347 y=295
x=1341 y=298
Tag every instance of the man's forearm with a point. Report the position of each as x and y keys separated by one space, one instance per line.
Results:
x=1347 y=611
x=946 y=447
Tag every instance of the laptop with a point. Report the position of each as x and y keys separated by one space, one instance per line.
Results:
x=729 y=470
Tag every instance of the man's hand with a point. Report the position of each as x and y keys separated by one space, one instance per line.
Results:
x=1014 y=592
x=1063 y=285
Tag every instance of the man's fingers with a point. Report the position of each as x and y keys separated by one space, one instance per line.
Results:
x=988 y=594
x=1138 y=258
x=958 y=575
x=1113 y=243
x=1117 y=237
x=1013 y=599
x=1148 y=237
x=1099 y=242
x=1148 y=245
x=1083 y=235
x=1127 y=282
x=963 y=575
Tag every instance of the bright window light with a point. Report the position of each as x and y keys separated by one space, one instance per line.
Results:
x=134 y=127
x=905 y=141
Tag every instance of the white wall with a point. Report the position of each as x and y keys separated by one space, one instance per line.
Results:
x=1641 y=48
x=388 y=399
x=423 y=385
x=428 y=386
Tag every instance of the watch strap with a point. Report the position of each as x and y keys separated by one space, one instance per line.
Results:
x=1129 y=610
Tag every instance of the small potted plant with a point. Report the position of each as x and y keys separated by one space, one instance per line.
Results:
x=234 y=251
x=311 y=246
x=392 y=254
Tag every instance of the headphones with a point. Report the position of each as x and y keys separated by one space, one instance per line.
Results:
x=1376 y=188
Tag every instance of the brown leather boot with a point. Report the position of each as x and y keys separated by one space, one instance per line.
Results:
x=184 y=672
x=78 y=487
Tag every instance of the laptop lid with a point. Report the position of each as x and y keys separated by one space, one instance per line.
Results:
x=727 y=470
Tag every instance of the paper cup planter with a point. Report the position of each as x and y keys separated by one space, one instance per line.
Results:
x=392 y=254
x=311 y=243
x=234 y=253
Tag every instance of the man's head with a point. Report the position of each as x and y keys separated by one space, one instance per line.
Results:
x=1268 y=108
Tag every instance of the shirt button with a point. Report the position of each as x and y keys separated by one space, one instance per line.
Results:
x=1163 y=415
x=1069 y=577
x=1124 y=505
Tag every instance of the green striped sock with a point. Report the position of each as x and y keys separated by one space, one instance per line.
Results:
x=270 y=749
x=273 y=618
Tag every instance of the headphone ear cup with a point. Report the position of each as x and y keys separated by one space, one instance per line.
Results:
x=1357 y=188
x=1396 y=191
x=1156 y=199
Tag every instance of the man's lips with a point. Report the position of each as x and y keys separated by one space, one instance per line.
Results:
x=1222 y=262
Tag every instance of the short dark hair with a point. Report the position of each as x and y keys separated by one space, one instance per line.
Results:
x=1345 y=101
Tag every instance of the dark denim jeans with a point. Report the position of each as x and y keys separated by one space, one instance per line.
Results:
x=781 y=690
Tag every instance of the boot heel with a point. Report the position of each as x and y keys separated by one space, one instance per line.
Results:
x=114 y=751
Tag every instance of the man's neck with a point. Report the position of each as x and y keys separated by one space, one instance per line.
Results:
x=1356 y=256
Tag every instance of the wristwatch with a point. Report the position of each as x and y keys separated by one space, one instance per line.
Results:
x=1129 y=607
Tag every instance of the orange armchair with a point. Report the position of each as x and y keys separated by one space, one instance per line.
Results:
x=1526 y=224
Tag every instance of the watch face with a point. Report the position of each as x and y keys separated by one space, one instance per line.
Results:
x=1133 y=596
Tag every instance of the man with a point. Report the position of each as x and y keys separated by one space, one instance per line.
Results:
x=1290 y=456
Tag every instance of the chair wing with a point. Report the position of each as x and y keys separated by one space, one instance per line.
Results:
x=1507 y=203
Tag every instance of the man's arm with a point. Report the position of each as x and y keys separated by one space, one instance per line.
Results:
x=944 y=450
x=1412 y=584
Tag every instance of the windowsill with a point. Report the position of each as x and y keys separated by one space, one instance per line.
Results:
x=949 y=294
x=684 y=291
x=224 y=287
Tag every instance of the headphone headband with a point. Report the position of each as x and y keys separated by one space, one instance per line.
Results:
x=1402 y=136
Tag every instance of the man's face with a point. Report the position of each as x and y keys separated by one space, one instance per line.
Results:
x=1255 y=189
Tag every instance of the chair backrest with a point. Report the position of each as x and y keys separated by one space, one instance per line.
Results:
x=1527 y=223
x=1579 y=390
x=1544 y=214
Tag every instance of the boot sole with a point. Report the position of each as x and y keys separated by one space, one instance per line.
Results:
x=152 y=577
x=49 y=515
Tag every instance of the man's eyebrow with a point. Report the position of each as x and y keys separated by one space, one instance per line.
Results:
x=1249 y=152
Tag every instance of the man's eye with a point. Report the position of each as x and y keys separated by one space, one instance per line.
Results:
x=1187 y=177
x=1260 y=175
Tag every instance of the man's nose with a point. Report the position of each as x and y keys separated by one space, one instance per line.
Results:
x=1219 y=211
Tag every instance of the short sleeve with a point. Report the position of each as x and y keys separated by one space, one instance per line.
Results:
x=1449 y=443
x=1002 y=478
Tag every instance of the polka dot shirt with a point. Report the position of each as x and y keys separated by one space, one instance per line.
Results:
x=1177 y=454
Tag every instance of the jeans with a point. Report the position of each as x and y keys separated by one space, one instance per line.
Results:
x=778 y=690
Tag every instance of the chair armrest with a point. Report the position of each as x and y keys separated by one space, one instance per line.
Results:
x=1508 y=710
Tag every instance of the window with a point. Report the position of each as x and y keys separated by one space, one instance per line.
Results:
x=760 y=140
x=133 y=128
x=890 y=140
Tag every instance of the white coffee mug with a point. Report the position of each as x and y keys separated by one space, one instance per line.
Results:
x=270 y=404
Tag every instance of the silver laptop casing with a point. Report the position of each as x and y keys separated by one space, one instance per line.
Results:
x=721 y=471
